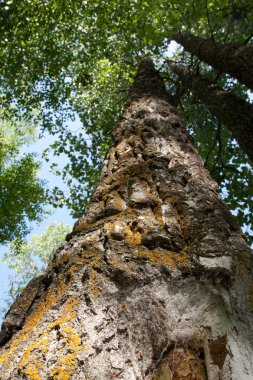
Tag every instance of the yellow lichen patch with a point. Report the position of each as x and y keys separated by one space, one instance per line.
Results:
x=161 y=256
x=159 y=215
x=63 y=259
x=113 y=200
x=75 y=263
x=94 y=287
x=94 y=284
x=122 y=266
x=32 y=359
x=85 y=256
x=41 y=343
x=81 y=225
x=65 y=368
x=67 y=315
x=132 y=238
x=119 y=230
x=173 y=200
x=45 y=304
x=31 y=372
x=115 y=229
x=178 y=204
x=67 y=362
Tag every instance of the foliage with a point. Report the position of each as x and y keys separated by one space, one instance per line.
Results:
x=27 y=260
x=221 y=154
x=79 y=57
x=98 y=113
x=22 y=194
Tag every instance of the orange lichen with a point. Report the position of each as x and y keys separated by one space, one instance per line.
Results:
x=94 y=287
x=45 y=304
x=115 y=228
x=68 y=313
x=30 y=362
x=31 y=371
x=114 y=200
x=159 y=215
x=118 y=228
x=41 y=343
x=122 y=266
x=132 y=238
x=65 y=367
x=161 y=256
x=67 y=362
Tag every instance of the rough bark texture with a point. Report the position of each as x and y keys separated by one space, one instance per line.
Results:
x=154 y=282
x=233 y=59
x=232 y=111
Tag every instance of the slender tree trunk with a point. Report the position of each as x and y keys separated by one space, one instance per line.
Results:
x=232 y=111
x=233 y=59
x=154 y=282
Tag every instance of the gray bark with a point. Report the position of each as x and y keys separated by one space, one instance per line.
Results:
x=233 y=59
x=154 y=282
x=235 y=113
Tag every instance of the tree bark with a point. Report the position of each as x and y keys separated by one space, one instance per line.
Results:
x=233 y=59
x=154 y=282
x=235 y=113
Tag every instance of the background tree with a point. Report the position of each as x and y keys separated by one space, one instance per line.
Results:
x=234 y=59
x=23 y=196
x=29 y=260
x=234 y=112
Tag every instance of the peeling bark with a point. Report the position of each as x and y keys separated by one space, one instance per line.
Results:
x=232 y=111
x=233 y=59
x=155 y=280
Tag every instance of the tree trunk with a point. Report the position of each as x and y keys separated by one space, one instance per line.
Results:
x=154 y=282
x=232 y=111
x=233 y=59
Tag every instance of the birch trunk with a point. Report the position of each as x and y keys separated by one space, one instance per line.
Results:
x=233 y=59
x=230 y=110
x=154 y=282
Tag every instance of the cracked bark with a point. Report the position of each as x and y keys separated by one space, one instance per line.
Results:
x=233 y=59
x=154 y=281
x=230 y=110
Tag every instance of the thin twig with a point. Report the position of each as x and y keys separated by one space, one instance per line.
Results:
x=209 y=22
x=212 y=147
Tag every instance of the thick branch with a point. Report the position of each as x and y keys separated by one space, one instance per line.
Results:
x=233 y=59
x=232 y=111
